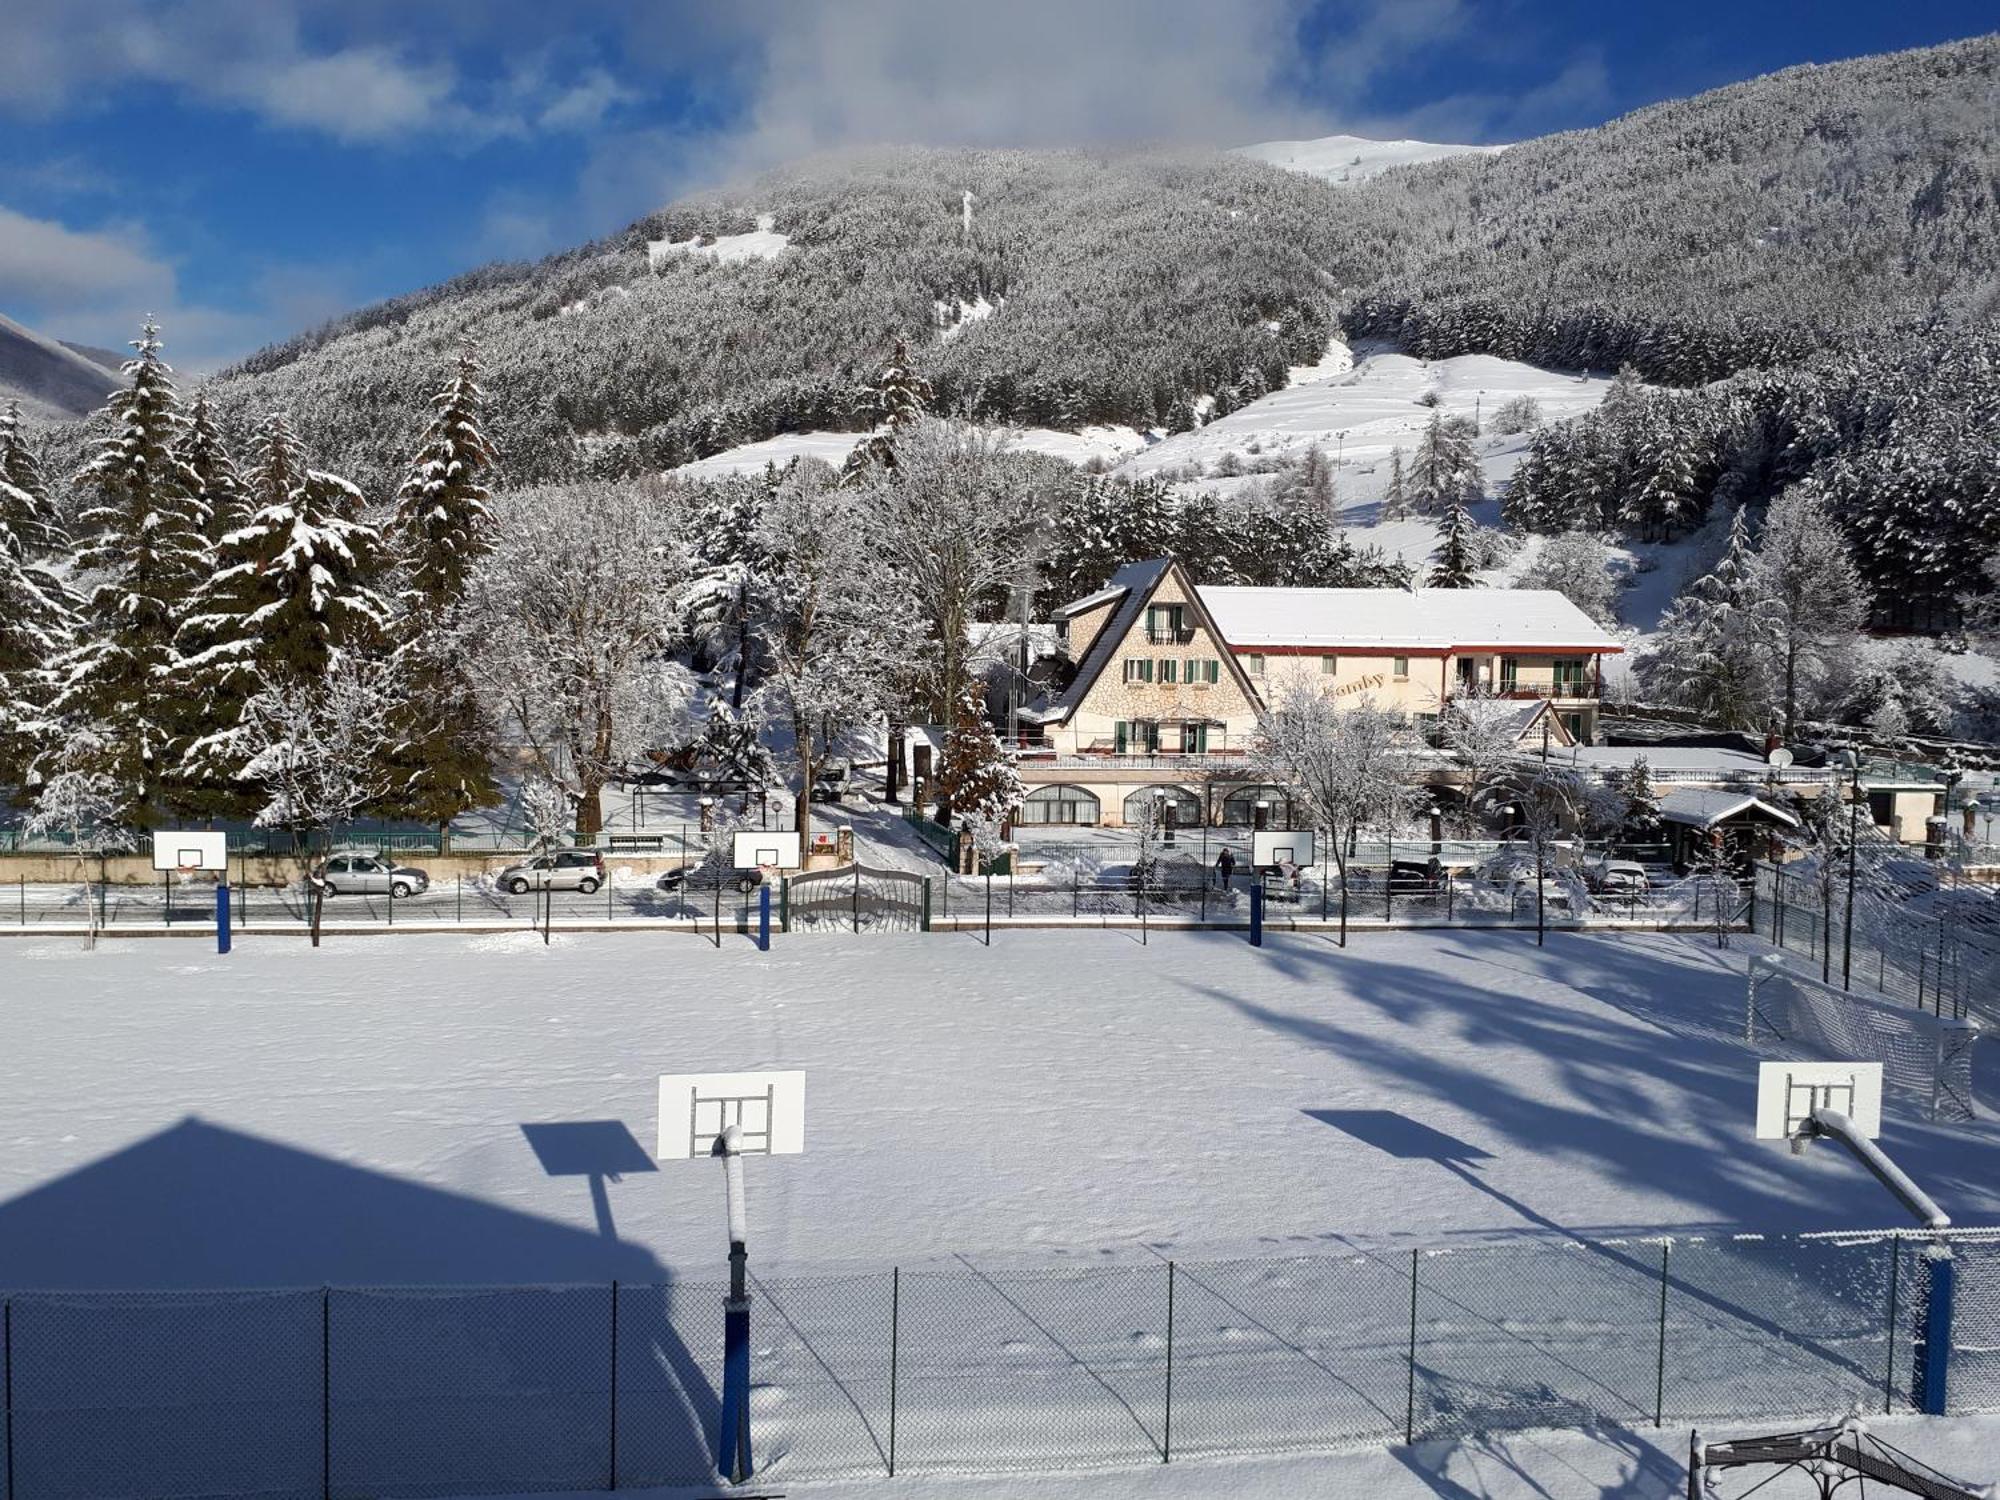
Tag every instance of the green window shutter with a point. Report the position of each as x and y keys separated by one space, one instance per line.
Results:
x=1214 y=670
x=1146 y=670
x=1121 y=736
x=1167 y=670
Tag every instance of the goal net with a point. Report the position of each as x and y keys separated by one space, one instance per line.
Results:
x=1926 y=1060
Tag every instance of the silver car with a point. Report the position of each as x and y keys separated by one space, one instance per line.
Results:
x=558 y=870
x=371 y=874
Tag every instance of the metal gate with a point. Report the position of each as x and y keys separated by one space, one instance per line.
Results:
x=855 y=898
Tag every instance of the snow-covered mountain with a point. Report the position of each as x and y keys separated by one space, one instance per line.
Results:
x=1352 y=158
x=51 y=380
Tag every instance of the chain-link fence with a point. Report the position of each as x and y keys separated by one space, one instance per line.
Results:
x=1935 y=949
x=696 y=902
x=1174 y=888
x=965 y=1368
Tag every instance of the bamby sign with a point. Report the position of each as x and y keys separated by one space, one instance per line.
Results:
x=1360 y=684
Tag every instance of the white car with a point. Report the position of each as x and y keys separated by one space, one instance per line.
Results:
x=559 y=869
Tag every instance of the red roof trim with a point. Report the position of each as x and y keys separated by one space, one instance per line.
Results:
x=1439 y=651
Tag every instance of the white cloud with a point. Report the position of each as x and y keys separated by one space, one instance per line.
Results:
x=361 y=94
x=43 y=264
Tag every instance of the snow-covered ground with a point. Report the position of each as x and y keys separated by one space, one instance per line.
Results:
x=761 y=243
x=1109 y=444
x=173 y=1118
x=1606 y=1463
x=1358 y=405
x=1353 y=158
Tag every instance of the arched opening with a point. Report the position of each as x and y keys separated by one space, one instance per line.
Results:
x=1067 y=805
x=1185 y=804
x=1239 y=808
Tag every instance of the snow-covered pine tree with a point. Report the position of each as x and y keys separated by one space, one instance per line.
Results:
x=218 y=486
x=897 y=397
x=141 y=536
x=292 y=593
x=441 y=743
x=35 y=527
x=37 y=623
x=977 y=783
x=1455 y=563
x=1641 y=822
x=1396 y=499
x=442 y=514
x=1669 y=495
x=1810 y=594
x=1713 y=652
x=1445 y=469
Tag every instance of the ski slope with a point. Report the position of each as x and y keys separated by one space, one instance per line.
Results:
x=1353 y=158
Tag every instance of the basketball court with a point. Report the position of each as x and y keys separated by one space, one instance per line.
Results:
x=1062 y=1096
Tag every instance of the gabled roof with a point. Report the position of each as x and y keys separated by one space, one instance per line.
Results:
x=1425 y=620
x=1696 y=807
x=1132 y=585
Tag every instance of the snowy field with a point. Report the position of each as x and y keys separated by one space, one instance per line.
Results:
x=177 y=1119
x=1610 y=1463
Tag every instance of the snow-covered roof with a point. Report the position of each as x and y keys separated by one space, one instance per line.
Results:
x=1427 y=619
x=1699 y=808
x=1130 y=585
x=1089 y=601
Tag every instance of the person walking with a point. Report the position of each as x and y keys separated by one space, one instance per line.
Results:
x=1225 y=866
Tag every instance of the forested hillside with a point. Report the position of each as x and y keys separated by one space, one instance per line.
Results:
x=1844 y=213
x=1691 y=239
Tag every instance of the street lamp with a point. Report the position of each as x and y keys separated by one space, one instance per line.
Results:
x=1851 y=759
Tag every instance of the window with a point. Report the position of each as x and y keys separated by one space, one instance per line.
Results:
x=1194 y=738
x=1068 y=805
x=1135 y=737
x=1169 y=669
x=1166 y=624
x=1510 y=672
x=1138 y=669
x=1204 y=669
x=1572 y=678
x=1328 y=665
x=1401 y=669
x=1254 y=664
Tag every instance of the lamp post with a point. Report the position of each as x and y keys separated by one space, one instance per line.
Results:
x=1851 y=759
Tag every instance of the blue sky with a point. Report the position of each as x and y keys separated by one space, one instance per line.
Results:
x=245 y=168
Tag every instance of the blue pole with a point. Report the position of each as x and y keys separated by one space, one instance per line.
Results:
x=222 y=916
x=1931 y=1383
x=1257 y=915
x=764 y=918
x=733 y=1441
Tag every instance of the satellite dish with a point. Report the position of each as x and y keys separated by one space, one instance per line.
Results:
x=1779 y=759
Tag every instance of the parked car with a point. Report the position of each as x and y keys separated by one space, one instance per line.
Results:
x=831 y=780
x=691 y=877
x=364 y=872
x=558 y=870
x=1619 y=877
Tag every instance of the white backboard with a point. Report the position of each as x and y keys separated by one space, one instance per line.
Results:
x=767 y=1109
x=174 y=849
x=1788 y=1092
x=1275 y=846
x=766 y=847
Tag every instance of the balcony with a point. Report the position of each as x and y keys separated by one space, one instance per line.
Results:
x=1169 y=635
x=1573 y=691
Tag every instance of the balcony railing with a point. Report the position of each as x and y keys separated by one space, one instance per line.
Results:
x=1168 y=635
x=1572 y=691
